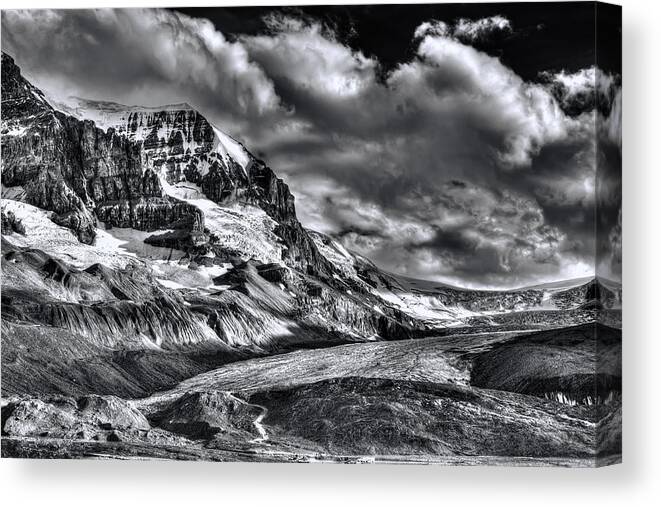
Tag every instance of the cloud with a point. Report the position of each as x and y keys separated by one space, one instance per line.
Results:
x=386 y=150
x=499 y=232
x=449 y=166
x=465 y=30
x=307 y=54
x=479 y=93
x=609 y=188
x=433 y=28
x=613 y=122
x=137 y=55
x=583 y=90
x=574 y=91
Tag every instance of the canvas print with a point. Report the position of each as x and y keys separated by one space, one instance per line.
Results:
x=348 y=234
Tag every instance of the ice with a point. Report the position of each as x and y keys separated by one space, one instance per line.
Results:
x=336 y=254
x=43 y=234
x=178 y=275
x=170 y=284
x=132 y=242
x=115 y=248
x=14 y=131
x=241 y=227
x=229 y=147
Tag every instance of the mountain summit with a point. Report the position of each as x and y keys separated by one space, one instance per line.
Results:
x=134 y=167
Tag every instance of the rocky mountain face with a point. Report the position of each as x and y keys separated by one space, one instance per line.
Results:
x=77 y=170
x=10 y=224
x=180 y=145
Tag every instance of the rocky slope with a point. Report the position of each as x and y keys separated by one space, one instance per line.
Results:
x=430 y=399
x=78 y=171
x=443 y=306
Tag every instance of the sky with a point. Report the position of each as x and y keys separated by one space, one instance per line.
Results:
x=447 y=142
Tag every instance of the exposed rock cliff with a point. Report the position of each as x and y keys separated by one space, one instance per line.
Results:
x=180 y=144
x=74 y=169
x=10 y=224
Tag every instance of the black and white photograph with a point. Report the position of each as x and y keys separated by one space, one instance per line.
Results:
x=351 y=234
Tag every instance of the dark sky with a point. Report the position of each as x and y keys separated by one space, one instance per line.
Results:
x=453 y=142
x=548 y=36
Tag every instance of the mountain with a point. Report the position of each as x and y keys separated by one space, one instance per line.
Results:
x=78 y=171
x=153 y=230
x=195 y=160
x=442 y=306
x=165 y=182
x=128 y=175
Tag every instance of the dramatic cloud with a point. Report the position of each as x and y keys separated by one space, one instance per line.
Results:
x=466 y=30
x=137 y=56
x=583 y=90
x=457 y=82
x=308 y=55
x=609 y=188
x=449 y=166
x=613 y=122
x=574 y=91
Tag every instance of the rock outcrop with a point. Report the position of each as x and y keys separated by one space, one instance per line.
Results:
x=77 y=170
x=89 y=417
x=10 y=224
x=206 y=414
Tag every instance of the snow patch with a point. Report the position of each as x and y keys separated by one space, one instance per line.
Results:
x=228 y=147
x=336 y=254
x=241 y=227
x=14 y=131
x=43 y=234
x=170 y=284
x=115 y=248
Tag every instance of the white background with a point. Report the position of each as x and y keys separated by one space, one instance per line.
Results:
x=636 y=482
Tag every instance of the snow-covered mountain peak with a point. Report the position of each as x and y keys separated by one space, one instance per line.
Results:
x=179 y=148
x=23 y=104
x=174 y=134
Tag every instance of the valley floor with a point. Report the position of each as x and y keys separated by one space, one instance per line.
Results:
x=43 y=448
x=514 y=398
